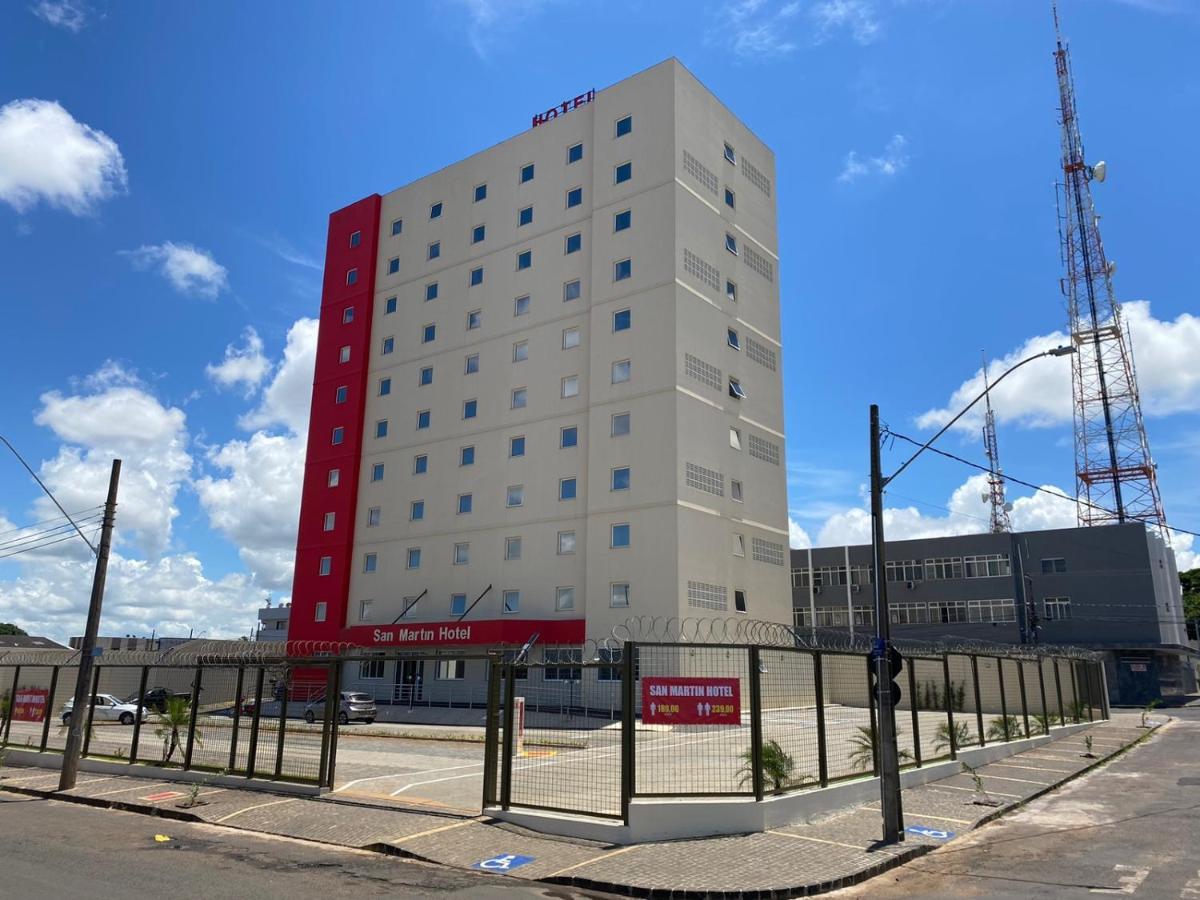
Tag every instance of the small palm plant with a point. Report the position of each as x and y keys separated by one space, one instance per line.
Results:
x=1087 y=742
x=176 y=716
x=1151 y=706
x=778 y=768
x=962 y=736
x=983 y=799
x=862 y=753
x=1004 y=728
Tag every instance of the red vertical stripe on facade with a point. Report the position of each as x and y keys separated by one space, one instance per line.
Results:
x=313 y=542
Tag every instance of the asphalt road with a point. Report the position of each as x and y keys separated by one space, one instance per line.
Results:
x=55 y=850
x=1132 y=828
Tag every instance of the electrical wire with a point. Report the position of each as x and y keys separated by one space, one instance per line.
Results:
x=56 y=519
x=47 y=532
x=49 y=543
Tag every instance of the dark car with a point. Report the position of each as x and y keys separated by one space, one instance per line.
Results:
x=156 y=698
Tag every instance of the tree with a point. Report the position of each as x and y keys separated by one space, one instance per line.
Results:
x=1191 y=594
x=10 y=628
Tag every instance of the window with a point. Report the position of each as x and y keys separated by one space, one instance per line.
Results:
x=470 y=408
x=521 y=305
x=480 y=192
x=466 y=456
x=381 y=428
x=388 y=346
x=991 y=611
x=352 y=276
x=736 y=390
x=904 y=570
x=339 y=435
x=319 y=612
x=347 y=315
x=364 y=613
x=620 y=478
x=330 y=521
x=515 y=495
x=1057 y=608
x=416 y=510
x=624 y=126
x=908 y=613
x=516 y=445
x=623 y=172
x=389 y=305
x=731 y=290
x=566 y=489
x=377 y=472
x=730 y=155
x=526 y=173
x=524 y=259
x=458 y=604
x=570 y=337
x=731 y=337
x=1056 y=566
x=520 y=351
x=413 y=558
x=731 y=243
x=370 y=562
x=420 y=464
x=335 y=475
x=943 y=567
x=477 y=233
x=739 y=601
x=735 y=438
x=735 y=490
x=619 y=594
x=326 y=565
x=435 y=250
x=344 y=354
x=574 y=153
x=564 y=598
x=990 y=565
x=622 y=220
x=477 y=276
x=462 y=554
x=729 y=199
x=520 y=396
x=622 y=319
x=619 y=536
x=568 y=437
x=574 y=243
x=393 y=265
x=524 y=216
x=562 y=664
x=426 y=376
x=622 y=269
x=474 y=319
x=431 y=291
x=620 y=424
x=739 y=545
x=512 y=601
x=423 y=419
x=397 y=226
x=369 y=669
x=451 y=669
x=620 y=371
x=571 y=290
x=512 y=548
x=566 y=543
x=570 y=386
x=355 y=238
x=429 y=334
x=948 y=612
x=574 y=197
x=340 y=395
x=385 y=386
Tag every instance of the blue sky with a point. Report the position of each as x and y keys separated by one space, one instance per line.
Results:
x=166 y=172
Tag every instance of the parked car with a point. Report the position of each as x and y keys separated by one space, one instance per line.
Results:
x=156 y=698
x=353 y=705
x=107 y=708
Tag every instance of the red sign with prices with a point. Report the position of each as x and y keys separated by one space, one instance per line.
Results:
x=30 y=705
x=691 y=701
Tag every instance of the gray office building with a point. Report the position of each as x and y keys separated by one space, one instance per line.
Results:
x=1113 y=589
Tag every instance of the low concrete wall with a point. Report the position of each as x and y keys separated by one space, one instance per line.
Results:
x=660 y=819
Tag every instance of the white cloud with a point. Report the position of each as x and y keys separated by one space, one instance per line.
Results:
x=287 y=399
x=893 y=161
x=756 y=29
x=798 y=538
x=69 y=14
x=190 y=269
x=244 y=365
x=859 y=17
x=1039 y=394
x=46 y=155
x=492 y=22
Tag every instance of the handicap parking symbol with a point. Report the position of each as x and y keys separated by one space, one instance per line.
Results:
x=504 y=862
x=930 y=832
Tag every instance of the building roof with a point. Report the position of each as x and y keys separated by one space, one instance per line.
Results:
x=28 y=642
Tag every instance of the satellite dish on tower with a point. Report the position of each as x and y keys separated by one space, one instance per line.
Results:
x=1099 y=171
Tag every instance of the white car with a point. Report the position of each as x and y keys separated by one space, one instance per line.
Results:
x=107 y=708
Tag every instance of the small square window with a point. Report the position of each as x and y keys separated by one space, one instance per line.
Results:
x=416 y=510
x=624 y=126
x=326 y=565
x=619 y=595
x=622 y=269
x=474 y=319
x=341 y=394
x=524 y=216
x=739 y=545
x=370 y=562
x=620 y=371
x=465 y=503
x=527 y=173
x=521 y=305
x=619 y=535
x=516 y=445
x=352 y=276
x=344 y=354
x=735 y=389
x=364 y=613
x=472 y=364
x=564 y=599
x=622 y=220
x=431 y=291
x=397 y=226
x=571 y=290
x=388 y=346
x=477 y=276
x=385 y=386
x=515 y=495
x=566 y=543
x=339 y=435
x=393 y=265
x=512 y=601
x=730 y=155
x=732 y=339
x=574 y=153
x=435 y=211
x=355 y=238
x=426 y=377
x=320 y=611
x=520 y=351
x=735 y=489
x=478 y=233
x=458 y=604
x=413 y=558
x=570 y=337
x=568 y=437
x=520 y=396
x=335 y=476
x=729 y=199
x=620 y=424
x=480 y=192
x=574 y=197
x=574 y=243
x=377 y=472
x=739 y=601
x=512 y=548
x=466 y=456
x=429 y=334
x=731 y=243
x=735 y=438
x=620 y=478
x=524 y=259
x=470 y=409
x=731 y=290
x=330 y=521
x=381 y=428
x=422 y=419
x=623 y=172
x=389 y=306
x=373 y=515
x=435 y=250
x=347 y=315
x=570 y=386
x=420 y=464
x=462 y=554
x=566 y=489
x=622 y=319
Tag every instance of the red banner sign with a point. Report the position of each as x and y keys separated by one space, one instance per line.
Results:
x=691 y=701
x=487 y=632
x=30 y=705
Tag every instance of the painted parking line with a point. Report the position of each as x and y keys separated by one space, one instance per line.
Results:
x=140 y=787
x=908 y=813
x=987 y=774
x=258 y=806
x=588 y=862
x=1028 y=768
x=971 y=790
x=429 y=831
x=1129 y=877
x=804 y=837
x=350 y=784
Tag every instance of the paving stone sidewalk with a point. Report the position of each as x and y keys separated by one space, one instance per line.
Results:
x=795 y=860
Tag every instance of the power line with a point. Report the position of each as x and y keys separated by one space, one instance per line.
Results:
x=55 y=520
x=49 y=543
x=58 y=529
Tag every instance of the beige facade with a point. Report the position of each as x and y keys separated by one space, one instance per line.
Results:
x=690 y=443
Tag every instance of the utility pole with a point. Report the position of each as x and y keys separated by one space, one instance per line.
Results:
x=889 y=760
x=83 y=683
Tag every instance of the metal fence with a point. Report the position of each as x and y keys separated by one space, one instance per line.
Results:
x=590 y=737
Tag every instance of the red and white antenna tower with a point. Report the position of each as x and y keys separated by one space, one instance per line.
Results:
x=1115 y=476
x=1001 y=523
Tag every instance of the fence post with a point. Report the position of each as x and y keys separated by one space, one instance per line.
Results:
x=978 y=700
x=1042 y=691
x=1003 y=698
x=12 y=704
x=1062 y=713
x=1105 y=708
x=912 y=705
x=874 y=728
x=1024 y=699
x=756 y=740
x=252 y=750
x=819 y=689
x=192 y=713
x=331 y=764
x=237 y=718
x=491 y=733
x=950 y=704
x=510 y=693
x=283 y=711
x=1074 y=695
x=628 y=727
x=87 y=725
x=325 y=724
x=1090 y=670
x=49 y=709
x=140 y=702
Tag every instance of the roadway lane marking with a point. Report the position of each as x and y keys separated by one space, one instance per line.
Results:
x=1191 y=889
x=1129 y=877
x=803 y=837
x=259 y=806
x=588 y=862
